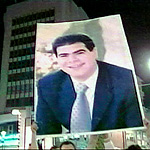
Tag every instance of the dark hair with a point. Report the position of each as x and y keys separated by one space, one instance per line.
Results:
x=71 y=39
x=67 y=143
x=134 y=147
x=54 y=147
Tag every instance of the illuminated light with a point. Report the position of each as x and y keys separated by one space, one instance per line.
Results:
x=9 y=140
x=12 y=136
x=149 y=63
x=3 y=133
x=10 y=143
x=15 y=112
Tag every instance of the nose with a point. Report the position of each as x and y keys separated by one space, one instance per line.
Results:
x=72 y=58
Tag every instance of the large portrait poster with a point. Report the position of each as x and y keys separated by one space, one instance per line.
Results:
x=93 y=53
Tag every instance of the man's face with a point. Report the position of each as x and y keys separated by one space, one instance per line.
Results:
x=77 y=61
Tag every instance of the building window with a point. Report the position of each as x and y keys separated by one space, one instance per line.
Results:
x=32 y=17
x=19 y=102
x=10 y=129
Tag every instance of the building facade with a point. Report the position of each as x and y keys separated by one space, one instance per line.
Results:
x=19 y=44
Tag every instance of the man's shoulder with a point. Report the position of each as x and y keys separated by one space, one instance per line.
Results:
x=114 y=68
x=53 y=74
x=116 y=73
x=53 y=77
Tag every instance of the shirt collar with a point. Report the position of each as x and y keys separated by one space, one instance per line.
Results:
x=90 y=82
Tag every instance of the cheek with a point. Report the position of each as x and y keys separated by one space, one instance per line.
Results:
x=61 y=63
x=87 y=59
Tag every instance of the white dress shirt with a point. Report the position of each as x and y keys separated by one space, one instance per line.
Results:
x=91 y=84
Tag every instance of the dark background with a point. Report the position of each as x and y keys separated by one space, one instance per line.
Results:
x=135 y=16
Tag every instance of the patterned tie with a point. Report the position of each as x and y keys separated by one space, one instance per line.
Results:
x=80 y=116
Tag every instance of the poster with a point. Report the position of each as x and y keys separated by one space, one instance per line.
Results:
x=114 y=100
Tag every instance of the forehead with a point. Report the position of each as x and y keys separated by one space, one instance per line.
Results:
x=68 y=146
x=71 y=47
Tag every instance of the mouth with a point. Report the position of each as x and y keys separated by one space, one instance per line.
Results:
x=76 y=66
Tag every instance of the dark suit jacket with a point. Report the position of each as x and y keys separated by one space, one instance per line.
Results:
x=115 y=103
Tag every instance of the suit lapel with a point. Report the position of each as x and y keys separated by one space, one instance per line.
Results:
x=66 y=99
x=103 y=95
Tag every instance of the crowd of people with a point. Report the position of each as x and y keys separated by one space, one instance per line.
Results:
x=34 y=144
x=100 y=142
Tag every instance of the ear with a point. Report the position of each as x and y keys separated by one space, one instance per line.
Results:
x=95 y=52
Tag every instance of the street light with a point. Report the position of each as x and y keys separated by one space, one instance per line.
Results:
x=15 y=112
x=3 y=133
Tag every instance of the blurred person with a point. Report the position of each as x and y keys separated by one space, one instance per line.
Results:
x=134 y=147
x=54 y=148
x=147 y=124
x=67 y=145
x=33 y=144
x=96 y=142
x=101 y=141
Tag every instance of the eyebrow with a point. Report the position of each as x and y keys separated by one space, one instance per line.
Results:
x=80 y=50
x=77 y=51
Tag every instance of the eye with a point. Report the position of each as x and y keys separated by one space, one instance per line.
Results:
x=63 y=55
x=80 y=52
